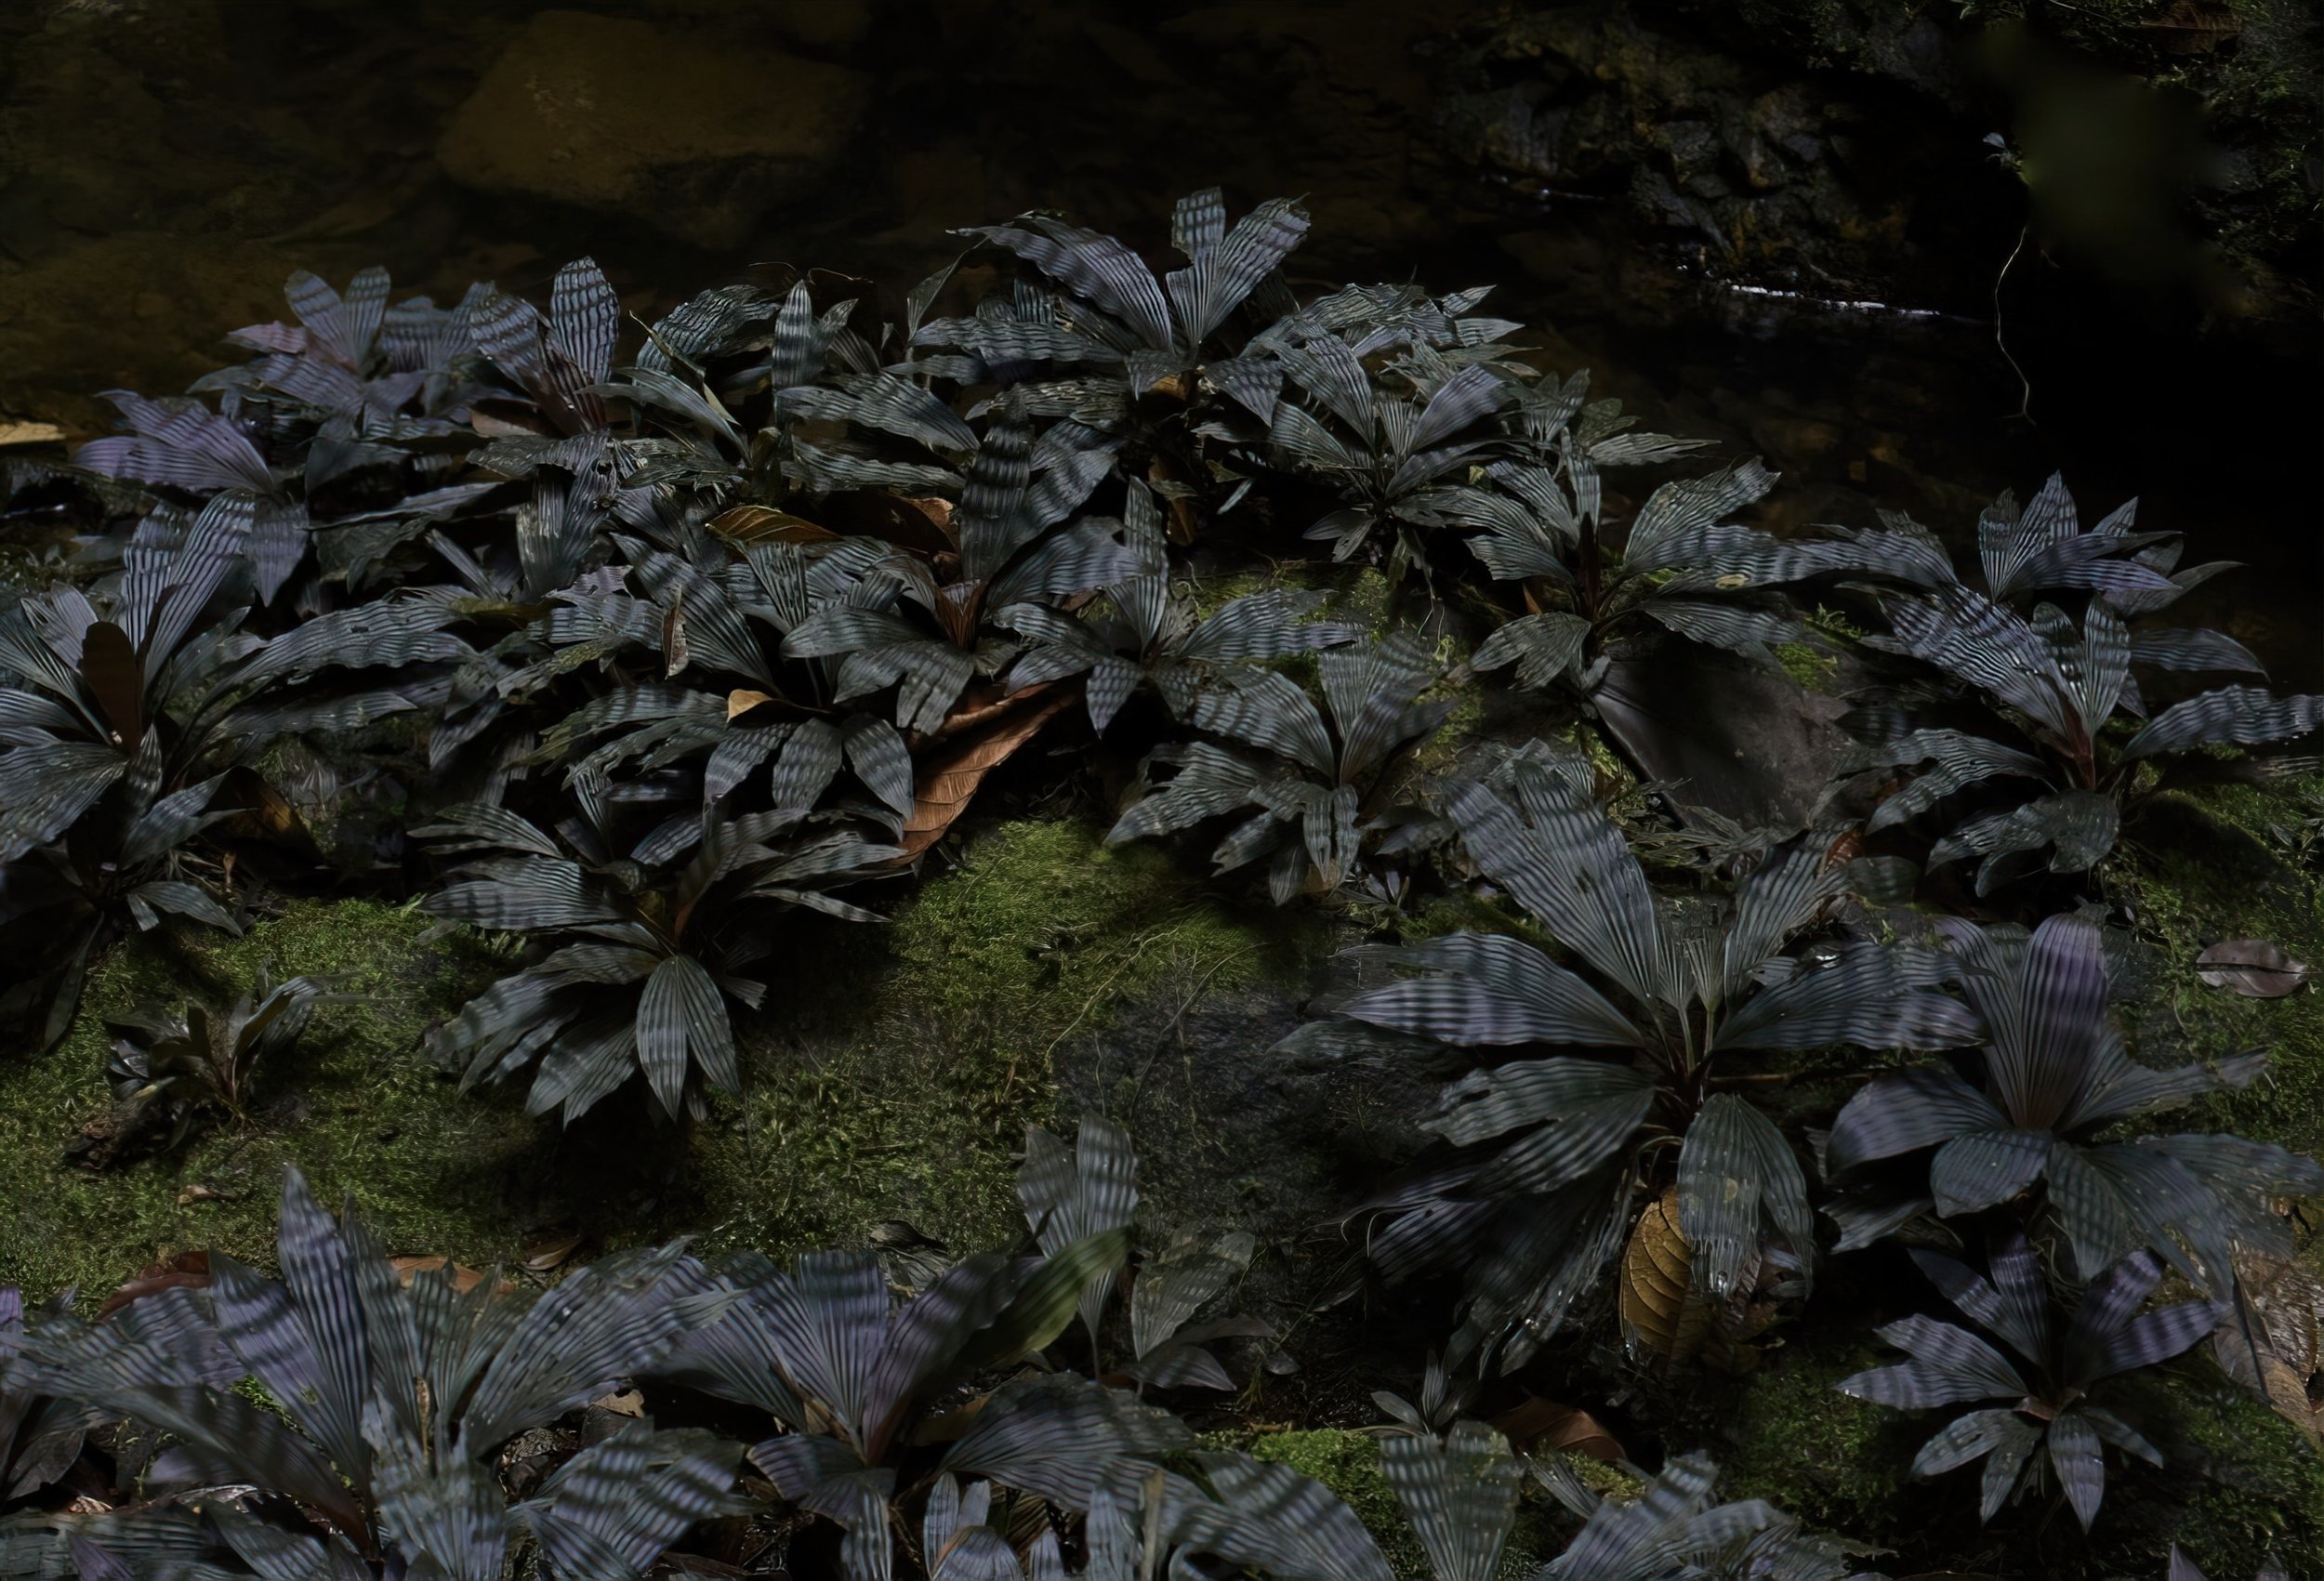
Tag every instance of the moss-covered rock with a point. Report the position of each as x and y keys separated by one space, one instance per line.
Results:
x=645 y=120
x=1347 y=1463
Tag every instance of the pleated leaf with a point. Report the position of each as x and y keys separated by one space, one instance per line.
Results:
x=2243 y=714
x=1544 y=647
x=1460 y=1496
x=1061 y=1436
x=1497 y=990
x=612 y=1509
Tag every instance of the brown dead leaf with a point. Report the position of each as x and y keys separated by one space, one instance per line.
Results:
x=464 y=1278
x=981 y=705
x=1185 y=522
x=1546 y=1423
x=2254 y=968
x=741 y=701
x=262 y=815
x=2195 y=27
x=506 y=419
x=676 y=652
x=2275 y=1348
x=1845 y=847
x=947 y=1427
x=1663 y=1318
x=947 y=778
x=30 y=433
x=922 y=525
x=622 y=1402
x=112 y=670
x=765 y=524
x=1667 y=1318
x=551 y=1253
x=186 y=1270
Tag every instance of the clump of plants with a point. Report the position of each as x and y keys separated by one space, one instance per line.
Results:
x=645 y=657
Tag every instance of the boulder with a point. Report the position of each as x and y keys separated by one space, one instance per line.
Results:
x=681 y=130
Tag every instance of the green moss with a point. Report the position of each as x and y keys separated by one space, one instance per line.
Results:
x=354 y=1105
x=1614 y=778
x=1214 y=593
x=1368 y=599
x=1439 y=753
x=2232 y=862
x=890 y=1075
x=1347 y=1463
x=896 y=1067
x=1836 y=1462
x=1813 y=663
x=1809 y=668
x=2263 y=1495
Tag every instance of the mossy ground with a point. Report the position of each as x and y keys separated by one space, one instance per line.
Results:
x=901 y=1083
x=891 y=1076
x=2234 y=862
x=354 y=1105
x=1836 y=1462
x=2262 y=1497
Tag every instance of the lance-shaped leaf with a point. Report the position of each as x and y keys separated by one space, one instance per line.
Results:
x=1063 y=1437
x=1544 y=647
x=2240 y=715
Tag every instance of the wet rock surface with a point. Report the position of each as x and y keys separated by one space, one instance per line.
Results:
x=672 y=127
x=1824 y=181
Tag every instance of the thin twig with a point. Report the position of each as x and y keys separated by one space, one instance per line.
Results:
x=2025 y=385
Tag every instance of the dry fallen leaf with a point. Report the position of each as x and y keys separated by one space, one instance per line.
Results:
x=923 y=525
x=464 y=1278
x=505 y=419
x=1546 y=1423
x=1667 y=1318
x=622 y=1402
x=945 y=781
x=676 y=652
x=1662 y=1317
x=30 y=433
x=764 y=524
x=949 y=1426
x=182 y=1269
x=742 y=701
x=2195 y=27
x=2275 y=1347
x=2252 y=967
x=549 y=1252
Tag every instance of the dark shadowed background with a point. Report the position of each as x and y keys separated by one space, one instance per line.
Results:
x=1779 y=223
